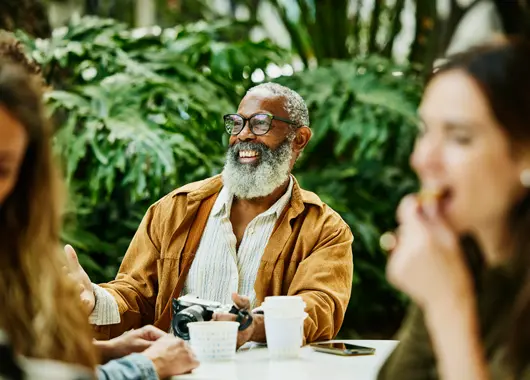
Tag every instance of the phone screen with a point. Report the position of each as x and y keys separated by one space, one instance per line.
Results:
x=343 y=348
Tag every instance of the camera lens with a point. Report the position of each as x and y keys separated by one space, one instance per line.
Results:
x=195 y=313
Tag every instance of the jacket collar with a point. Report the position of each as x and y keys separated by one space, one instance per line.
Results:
x=198 y=191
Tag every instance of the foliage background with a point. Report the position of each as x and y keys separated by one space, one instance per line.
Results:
x=364 y=120
x=138 y=110
x=138 y=113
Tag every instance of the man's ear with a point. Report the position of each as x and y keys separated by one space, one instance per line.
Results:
x=303 y=135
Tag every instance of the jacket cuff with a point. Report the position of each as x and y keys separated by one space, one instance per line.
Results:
x=130 y=367
x=106 y=311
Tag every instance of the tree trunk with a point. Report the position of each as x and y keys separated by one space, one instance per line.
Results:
x=449 y=25
x=297 y=40
x=61 y=11
x=253 y=7
x=424 y=39
x=356 y=29
x=340 y=24
x=92 y=7
x=395 y=28
x=332 y=31
x=145 y=13
x=29 y=15
x=326 y=29
x=434 y=34
x=374 y=26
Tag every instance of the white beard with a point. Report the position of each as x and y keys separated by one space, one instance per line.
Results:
x=249 y=181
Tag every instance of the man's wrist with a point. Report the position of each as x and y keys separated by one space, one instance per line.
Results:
x=107 y=349
x=258 y=335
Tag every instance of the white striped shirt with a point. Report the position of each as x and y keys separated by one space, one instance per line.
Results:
x=219 y=268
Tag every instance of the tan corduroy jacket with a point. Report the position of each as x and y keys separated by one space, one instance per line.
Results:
x=309 y=254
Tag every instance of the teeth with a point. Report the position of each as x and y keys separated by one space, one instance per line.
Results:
x=248 y=153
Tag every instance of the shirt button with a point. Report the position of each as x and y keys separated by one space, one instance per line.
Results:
x=251 y=231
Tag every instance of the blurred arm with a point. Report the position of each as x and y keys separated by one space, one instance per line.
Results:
x=130 y=367
x=454 y=330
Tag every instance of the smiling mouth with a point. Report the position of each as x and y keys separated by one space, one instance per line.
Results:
x=248 y=155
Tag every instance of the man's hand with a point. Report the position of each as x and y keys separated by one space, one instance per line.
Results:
x=255 y=332
x=171 y=356
x=80 y=277
x=132 y=341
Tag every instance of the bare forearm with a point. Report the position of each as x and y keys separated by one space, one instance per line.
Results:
x=454 y=329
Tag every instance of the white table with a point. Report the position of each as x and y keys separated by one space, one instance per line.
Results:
x=254 y=364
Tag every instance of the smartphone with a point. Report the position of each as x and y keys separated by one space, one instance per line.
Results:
x=343 y=349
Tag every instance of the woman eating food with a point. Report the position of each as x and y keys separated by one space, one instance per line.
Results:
x=462 y=251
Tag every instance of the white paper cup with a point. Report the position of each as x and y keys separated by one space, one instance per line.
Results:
x=214 y=340
x=284 y=335
x=284 y=325
x=284 y=306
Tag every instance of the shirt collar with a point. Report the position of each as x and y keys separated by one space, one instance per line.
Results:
x=223 y=204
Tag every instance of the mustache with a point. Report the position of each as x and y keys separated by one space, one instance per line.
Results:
x=262 y=149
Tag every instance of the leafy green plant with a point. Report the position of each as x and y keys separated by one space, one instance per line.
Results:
x=138 y=115
x=363 y=113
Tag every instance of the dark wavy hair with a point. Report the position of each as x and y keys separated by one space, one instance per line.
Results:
x=502 y=71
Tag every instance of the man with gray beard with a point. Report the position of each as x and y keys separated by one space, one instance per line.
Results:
x=248 y=233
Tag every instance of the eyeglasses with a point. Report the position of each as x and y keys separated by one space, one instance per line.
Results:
x=259 y=123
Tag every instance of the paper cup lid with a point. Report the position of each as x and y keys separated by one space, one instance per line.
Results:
x=283 y=301
x=213 y=325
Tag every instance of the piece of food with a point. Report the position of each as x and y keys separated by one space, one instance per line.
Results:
x=428 y=196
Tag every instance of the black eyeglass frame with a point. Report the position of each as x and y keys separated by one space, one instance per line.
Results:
x=247 y=120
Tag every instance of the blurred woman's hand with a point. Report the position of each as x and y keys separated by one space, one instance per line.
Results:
x=427 y=262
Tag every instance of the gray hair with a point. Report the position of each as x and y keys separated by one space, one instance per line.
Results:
x=293 y=102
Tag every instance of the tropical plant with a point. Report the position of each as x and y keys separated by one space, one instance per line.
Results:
x=363 y=113
x=138 y=115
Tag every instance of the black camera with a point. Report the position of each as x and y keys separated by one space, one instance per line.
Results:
x=189 y=308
